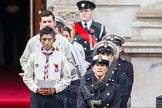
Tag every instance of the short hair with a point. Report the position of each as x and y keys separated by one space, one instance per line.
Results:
x=46 y=13
x=47 y=30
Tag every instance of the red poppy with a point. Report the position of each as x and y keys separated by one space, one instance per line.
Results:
x=56 y=66
x=57 y=49
x=91 y=30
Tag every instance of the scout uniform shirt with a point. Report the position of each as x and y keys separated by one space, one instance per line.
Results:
x=58 y=70
x=61 y=44
x=79 y=59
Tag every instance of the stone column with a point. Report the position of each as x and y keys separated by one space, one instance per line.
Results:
x=145 y=49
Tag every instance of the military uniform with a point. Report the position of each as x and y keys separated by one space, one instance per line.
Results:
x=95 y=29
x=98 y=94
x=128 y=68
x=118 y=75
x=124 y=65
x=115 y=72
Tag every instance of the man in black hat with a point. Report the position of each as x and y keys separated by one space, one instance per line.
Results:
x=88 y=32
x=121 y=64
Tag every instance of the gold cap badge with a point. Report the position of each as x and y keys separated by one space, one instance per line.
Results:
x=111 y=36
x=100 y=58
x=105 y=44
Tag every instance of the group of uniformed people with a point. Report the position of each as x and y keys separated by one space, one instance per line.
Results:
x=76 y=65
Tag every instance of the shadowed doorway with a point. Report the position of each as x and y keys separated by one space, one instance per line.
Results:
x=14 y=25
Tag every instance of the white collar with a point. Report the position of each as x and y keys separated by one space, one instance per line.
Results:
x=88 y=23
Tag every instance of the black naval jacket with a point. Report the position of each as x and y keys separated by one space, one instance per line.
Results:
x=106 y=91
x=128 y=68
x=95 y=30
x=121 y=71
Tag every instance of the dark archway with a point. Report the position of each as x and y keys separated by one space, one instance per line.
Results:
x=14 y=22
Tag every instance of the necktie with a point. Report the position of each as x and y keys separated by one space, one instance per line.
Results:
x=85 y=27
x=47 y=54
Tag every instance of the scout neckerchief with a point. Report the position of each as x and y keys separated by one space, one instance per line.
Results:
x=84 y=34
x=47 y=54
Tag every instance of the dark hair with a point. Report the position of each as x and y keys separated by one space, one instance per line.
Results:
x=59 y=26
x=47 y=30
x=46 y=13
x=67 y=29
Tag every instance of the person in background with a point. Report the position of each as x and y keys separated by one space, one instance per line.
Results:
x=122 y=64
x=61 y=44
x=77 y=73
x=88 y=31
x=97 y=91
x=60 y=24
x=115 y=73
x=71 y=26
x=49 y=66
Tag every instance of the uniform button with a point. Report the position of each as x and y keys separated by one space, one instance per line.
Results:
x=92 y=85
x=85 y=48
x=107 y=105
x=108 y=94
x=92 y=94
x=112 y=80
x=115 y=68
x=85 y=41
x=112 y=71
x=75 y=38
x=107 y=84
x=119 y=64
x=104 y=107
x=96 y=39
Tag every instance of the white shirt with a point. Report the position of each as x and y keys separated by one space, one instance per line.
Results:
x=88 y=24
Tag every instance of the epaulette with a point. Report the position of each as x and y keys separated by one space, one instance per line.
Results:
x=127 y=61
